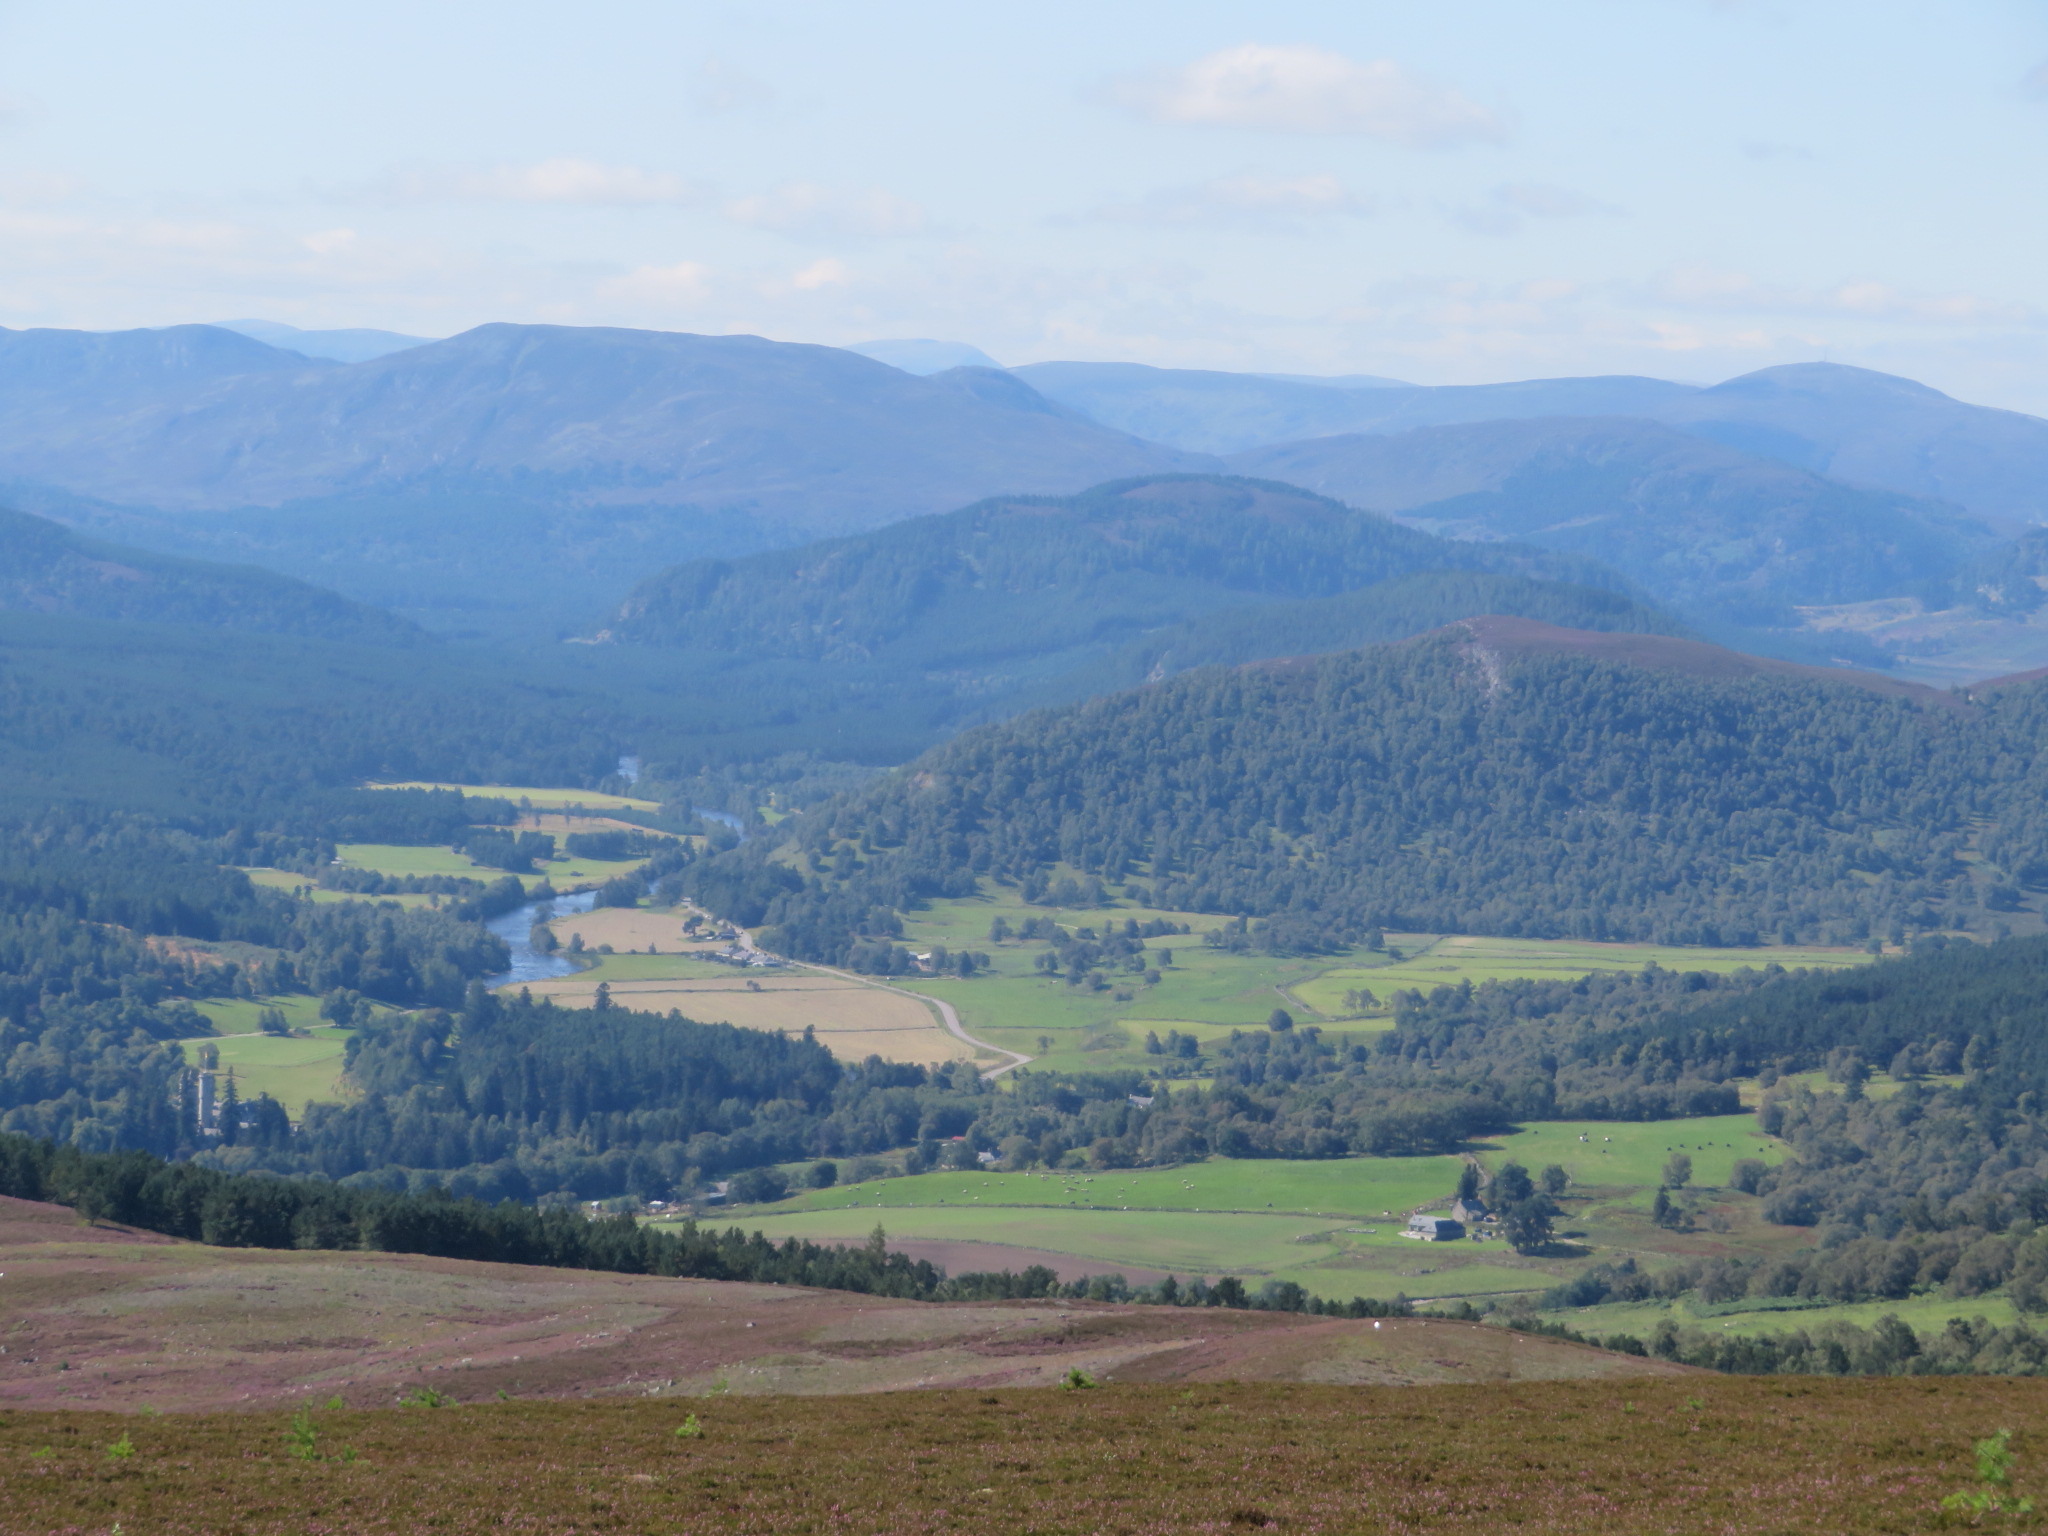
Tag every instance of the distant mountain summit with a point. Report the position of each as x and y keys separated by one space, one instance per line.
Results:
x=353 y=345
x=922 y=357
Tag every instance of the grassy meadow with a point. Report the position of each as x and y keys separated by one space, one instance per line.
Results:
x=1644 y=1457
x=1333 y=1226
x=296 y=1070
x=526 y=794
x=563 y=872
x=1208 y=992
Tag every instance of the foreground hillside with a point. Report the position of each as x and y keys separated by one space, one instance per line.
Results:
x=1637 y=1457
x=108 y=1317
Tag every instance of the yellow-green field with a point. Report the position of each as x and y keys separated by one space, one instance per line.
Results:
x=1431 y=960
x=534 y=795
x=563 y=872
x=1207 y=992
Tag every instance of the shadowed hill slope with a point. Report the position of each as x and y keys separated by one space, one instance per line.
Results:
x=1700 y=526
x=47 y=568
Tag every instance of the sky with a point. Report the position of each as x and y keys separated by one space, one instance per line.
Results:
x=1464 y=191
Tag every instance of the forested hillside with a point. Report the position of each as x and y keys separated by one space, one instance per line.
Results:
x=1026 y=600
x=1488 y=779
x=1700 y=526
x=47 y=568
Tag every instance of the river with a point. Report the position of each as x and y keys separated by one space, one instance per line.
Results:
x=516 y=929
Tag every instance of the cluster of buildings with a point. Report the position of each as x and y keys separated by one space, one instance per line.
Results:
x=1465 y=1217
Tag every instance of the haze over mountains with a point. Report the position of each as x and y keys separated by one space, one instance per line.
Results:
x=522 y=477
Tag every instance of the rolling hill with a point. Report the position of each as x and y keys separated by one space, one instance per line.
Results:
x=1231 y=412
x=48 y=568
x=1701 y=527
x=1499 y=776
x=1025 y=600
x=1853 y=425
x=514 y=474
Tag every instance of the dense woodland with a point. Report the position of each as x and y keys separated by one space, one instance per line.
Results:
x=1437 y=787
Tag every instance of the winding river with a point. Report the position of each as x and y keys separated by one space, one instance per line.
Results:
x=516 y=929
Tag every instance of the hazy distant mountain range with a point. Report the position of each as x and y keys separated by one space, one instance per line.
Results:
x=524 y=478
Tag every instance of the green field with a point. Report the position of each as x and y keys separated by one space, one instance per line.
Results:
x=293 y=1070
x=548 y=799
x=563 y=873
x=1431 y=960
x=295 y=883
x=1926 y=1314
x=1207 y=992
x=1633 y=1152
x=1333 y=1226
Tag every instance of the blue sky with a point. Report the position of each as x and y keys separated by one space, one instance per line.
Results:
x=1463 y=191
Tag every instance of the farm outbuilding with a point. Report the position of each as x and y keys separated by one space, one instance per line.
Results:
x=1435 y=1229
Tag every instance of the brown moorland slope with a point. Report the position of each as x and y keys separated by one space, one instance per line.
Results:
x=105 y=1318
x=1645 y=1457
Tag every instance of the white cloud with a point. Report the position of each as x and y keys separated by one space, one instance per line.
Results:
x=558 y=179
x=1513 y=204
x=804 y=208
x=1297 y=89
x=1715 y=288
x=1296 y=202
x=827 y=272
x=683 y=282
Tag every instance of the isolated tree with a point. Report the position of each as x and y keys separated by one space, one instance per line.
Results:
x=823 y=1175
x=1527 y=1223
x=1677 y=1170
x=1554 y=1180
x=1512 y=1185
x=1468 y=1182
x=1279 y=1019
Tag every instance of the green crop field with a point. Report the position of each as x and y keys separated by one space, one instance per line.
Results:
x=1207 y=992
x=550 y=799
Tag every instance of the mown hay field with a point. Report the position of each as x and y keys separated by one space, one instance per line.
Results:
x=853 y=1021
x=1647 y=1457
x=588 y=799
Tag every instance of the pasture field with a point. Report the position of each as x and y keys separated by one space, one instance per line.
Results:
x=1671 y=1454
x=1207 y=992
x=1924 y=1314
x=1359 y=1187
x=1633 y=1152
x=295 y=1071
x=238 y=1015
x=1432 y=960
x=1333 y=1226
x=293 y=883
x=520 y=794
x=562 y=872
